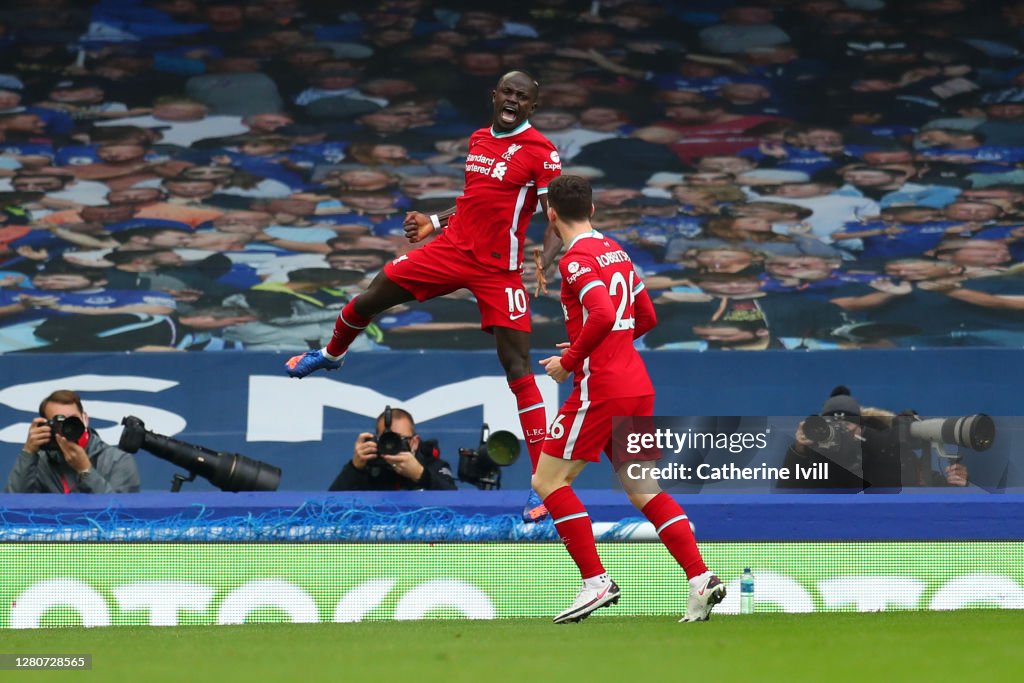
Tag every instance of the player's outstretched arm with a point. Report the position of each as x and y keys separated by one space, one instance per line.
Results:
x=1009 y=302
x=544 y=258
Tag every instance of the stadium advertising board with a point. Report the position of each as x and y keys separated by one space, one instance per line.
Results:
x=168 y=584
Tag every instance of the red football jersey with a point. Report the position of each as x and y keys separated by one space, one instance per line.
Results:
x=505 y=172
x=614 y=368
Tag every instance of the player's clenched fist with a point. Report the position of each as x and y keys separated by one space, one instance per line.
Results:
x=553 y=366
x=417 y=226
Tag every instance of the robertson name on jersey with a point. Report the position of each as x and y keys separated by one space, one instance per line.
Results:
x=614 y=368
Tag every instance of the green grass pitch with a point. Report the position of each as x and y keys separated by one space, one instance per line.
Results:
x=982 y=645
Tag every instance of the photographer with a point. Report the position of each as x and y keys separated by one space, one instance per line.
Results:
x=857 y=456
x=63 y=455
x=395 y=459
x=863 y=449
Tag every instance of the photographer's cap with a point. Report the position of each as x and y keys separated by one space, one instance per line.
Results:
x=841 y=404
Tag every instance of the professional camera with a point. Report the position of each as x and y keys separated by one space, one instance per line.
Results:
x=70 y=427
x=826 y=431
x=481 y=466
x=226 y=471
x=977 y=432
x=389 y=442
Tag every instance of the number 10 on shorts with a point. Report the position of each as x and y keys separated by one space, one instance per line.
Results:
x=516 y=302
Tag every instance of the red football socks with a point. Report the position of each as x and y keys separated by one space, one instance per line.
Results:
x=347 y=327
x=573 y=525
x=673 y=529
x=531 y=415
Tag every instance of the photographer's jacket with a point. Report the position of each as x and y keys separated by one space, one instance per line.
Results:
x=113 y=471
x=437 y=475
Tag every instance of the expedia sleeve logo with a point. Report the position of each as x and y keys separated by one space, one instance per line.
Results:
x=576 y=271
x=556 y=162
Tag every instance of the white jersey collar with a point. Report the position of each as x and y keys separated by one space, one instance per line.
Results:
x=592 y=233
x=515 y=131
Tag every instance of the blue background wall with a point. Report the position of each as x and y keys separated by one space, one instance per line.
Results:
x=220 y=400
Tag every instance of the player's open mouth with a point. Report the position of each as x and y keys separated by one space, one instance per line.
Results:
x=509 y=114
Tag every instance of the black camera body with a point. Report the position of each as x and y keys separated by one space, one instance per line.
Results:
x=69 y=426
x=481 y=466
x=477 y=469
x=388 y=443
x=828 y=432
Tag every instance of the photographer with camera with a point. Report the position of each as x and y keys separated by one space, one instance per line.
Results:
x=396 y=459
x=867 y=448
x=854 y=456
x=63 y=455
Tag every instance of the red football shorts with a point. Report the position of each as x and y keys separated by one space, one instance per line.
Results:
x=440 y=268
x=583 y=429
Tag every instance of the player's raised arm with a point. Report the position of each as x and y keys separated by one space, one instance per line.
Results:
x=546 y=256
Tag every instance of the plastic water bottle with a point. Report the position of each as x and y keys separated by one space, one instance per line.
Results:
x=747 y=592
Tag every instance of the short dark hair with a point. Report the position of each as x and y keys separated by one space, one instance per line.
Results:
x=383 y=255
x=571 y=196
x=742 y=325
x=30 y=173
x=123 y=236
x=722 y=277
x=122 y=257
x=325 y=276
x=900 y=210
x=90 y=274
x=218 y=312
x=131 y=142
x=536 y=83
x=397 y=413
x=64 y=397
